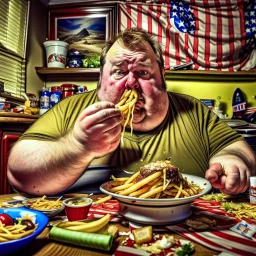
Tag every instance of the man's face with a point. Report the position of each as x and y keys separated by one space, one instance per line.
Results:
x=137 y=68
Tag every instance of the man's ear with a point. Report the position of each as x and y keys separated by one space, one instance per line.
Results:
x=163 y=72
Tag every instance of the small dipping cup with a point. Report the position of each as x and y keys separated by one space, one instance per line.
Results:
x=77 y=208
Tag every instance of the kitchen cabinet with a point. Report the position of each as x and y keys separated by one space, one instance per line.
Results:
x=12 y=125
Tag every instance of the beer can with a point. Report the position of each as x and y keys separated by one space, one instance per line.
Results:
x=44 y=99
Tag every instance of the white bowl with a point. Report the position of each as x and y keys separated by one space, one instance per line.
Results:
x=157 y=211
x=160 y=215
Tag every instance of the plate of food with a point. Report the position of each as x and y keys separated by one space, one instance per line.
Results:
x=158 y=193
x=11 y=204
x=49 y=206
x=26 y=224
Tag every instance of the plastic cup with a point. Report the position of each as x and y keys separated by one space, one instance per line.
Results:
x=77 y=208
x=252 y=191
x=56 y=53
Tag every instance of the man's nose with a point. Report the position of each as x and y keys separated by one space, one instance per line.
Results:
x=132 y=81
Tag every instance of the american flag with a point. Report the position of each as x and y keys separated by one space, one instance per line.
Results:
x=213 y=34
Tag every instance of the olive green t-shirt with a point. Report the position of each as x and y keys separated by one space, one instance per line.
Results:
x=189 y=136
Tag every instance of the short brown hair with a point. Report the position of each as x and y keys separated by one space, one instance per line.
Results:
x=132 y=38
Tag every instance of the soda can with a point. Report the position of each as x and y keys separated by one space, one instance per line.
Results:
x=55 y=97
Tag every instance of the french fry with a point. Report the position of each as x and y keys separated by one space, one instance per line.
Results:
x=13 y=232
x=179 y=191
x=121 y=187
x=140 y=191
x=126 y=106
x=102 y=200
x=141 y=183
x=157 y=184
x=132 y=178
x=158 y=195
x=119 y=179
x=152 y=192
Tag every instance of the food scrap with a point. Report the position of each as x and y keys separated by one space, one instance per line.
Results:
x=10 y=205
x=157 y=244
x=219 y=197
x=113 y=230
x=240 y=210
x=143 y=235
x=200 y=223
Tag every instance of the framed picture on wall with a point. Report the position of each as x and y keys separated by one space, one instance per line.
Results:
x=84 y=28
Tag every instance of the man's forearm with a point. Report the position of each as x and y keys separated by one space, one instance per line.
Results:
x=46 y=167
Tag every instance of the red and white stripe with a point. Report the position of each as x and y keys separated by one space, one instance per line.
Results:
x=220 y=238
x=218 y=38
x=111 y=207
x=226 y=240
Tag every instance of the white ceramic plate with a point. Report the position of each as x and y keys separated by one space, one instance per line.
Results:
x=203 y=183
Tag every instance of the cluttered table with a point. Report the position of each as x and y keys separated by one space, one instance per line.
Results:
x=210 y=240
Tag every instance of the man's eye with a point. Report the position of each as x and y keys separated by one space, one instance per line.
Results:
x=143 y=72
x=119 y=72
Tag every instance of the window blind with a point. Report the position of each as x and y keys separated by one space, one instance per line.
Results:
x=13 y=30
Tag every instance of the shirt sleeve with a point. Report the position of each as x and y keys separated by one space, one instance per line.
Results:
x=57 y=121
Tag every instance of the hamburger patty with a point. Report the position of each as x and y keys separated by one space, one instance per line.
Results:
x=171 y=170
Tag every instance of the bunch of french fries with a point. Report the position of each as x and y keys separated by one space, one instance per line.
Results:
x=13 y=232
x=154 y=186
x=126 y=106
x=45 y=204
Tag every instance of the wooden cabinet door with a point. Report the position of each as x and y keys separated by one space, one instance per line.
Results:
x=7 y=141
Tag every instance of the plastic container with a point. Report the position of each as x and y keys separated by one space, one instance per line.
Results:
x=56 y=53
x=69 y=90
x=252 y=190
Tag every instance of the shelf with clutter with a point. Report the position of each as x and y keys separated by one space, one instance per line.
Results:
x=93 y=74
x=65 y=62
